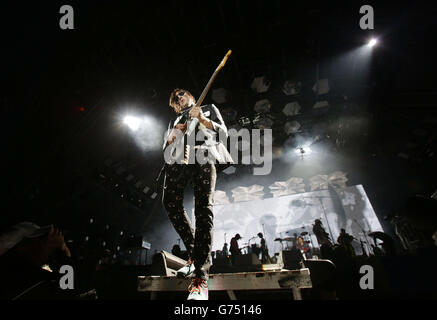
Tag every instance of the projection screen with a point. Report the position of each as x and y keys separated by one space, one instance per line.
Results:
x=285 y=216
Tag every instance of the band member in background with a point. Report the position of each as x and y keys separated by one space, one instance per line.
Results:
x=345 y=240
x=264 y=250
x=235 y=250
x=303 y=247
x=225 y=250
x=323 y=239
x=198 y=240
x=321 y=234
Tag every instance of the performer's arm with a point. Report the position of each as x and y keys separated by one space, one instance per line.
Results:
x=218 y=125
x=206 y=122
x=174 y=132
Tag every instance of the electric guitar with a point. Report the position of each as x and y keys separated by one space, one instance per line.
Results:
x=176 y=148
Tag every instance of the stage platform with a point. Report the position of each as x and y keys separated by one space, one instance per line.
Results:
x=270 y=277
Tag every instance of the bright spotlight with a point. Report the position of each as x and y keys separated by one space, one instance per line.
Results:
x=303 y=151
x=372 y=42
x=144 y=129
x=132 y=122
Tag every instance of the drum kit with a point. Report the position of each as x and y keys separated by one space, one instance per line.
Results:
x=253 y=248
x=293 y=243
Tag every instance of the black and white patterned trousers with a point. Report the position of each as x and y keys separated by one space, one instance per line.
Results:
x=198 y=241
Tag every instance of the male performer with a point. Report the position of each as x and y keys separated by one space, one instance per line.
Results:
x=264 y=250
x=345 y=240
x=303 y=247
x=235 y=250
x=323 y=239
x=198 y=242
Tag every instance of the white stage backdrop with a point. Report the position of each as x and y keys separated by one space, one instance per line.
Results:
x=281 y=217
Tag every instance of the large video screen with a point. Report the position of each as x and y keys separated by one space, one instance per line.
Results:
x=289 y=216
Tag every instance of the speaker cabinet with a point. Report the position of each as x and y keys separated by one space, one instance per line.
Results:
x=247 y=260
x=292 y=259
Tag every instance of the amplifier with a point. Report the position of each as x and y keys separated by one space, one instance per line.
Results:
x=292 y=259
x=250 y=259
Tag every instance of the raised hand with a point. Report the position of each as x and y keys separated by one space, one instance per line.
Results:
x=55 y=241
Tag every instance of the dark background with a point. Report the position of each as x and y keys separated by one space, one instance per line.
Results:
x=64 y=92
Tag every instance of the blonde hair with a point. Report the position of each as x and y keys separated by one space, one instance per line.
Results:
x=173 y=102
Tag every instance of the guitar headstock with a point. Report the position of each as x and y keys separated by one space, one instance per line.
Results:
x=222 y=64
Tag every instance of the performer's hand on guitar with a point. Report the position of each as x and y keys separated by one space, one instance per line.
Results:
x=196 y=112
x=181 y=127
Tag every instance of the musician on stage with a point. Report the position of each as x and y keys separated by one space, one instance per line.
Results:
x=303 y=247
x=235 y=250
x=225 y=250
x=264 y=251
x=323 y=239
x=198 y=240
x=345 y=240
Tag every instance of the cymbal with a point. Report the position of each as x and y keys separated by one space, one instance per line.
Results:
x=304 y=233
x=289 y=239
x=278 y=239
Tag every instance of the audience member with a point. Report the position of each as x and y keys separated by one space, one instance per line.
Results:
x=30 y=262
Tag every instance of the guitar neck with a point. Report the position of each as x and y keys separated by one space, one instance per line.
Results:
x=211 y=80
x=205 y=91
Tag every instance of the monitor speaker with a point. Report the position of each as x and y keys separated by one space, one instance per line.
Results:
x=292 y=259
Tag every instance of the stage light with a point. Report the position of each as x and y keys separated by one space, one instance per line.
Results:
x=292 y=127
x=260 y=84
x=292 y=108
x=146 y=189
x=372 y=42
x=230 y=170
x=132 y=122
x=303 y=151
x=262 y=106
x=291 y=88
x=145 y=130
x=219 y=95
x=262 y=122
x=138 y=184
